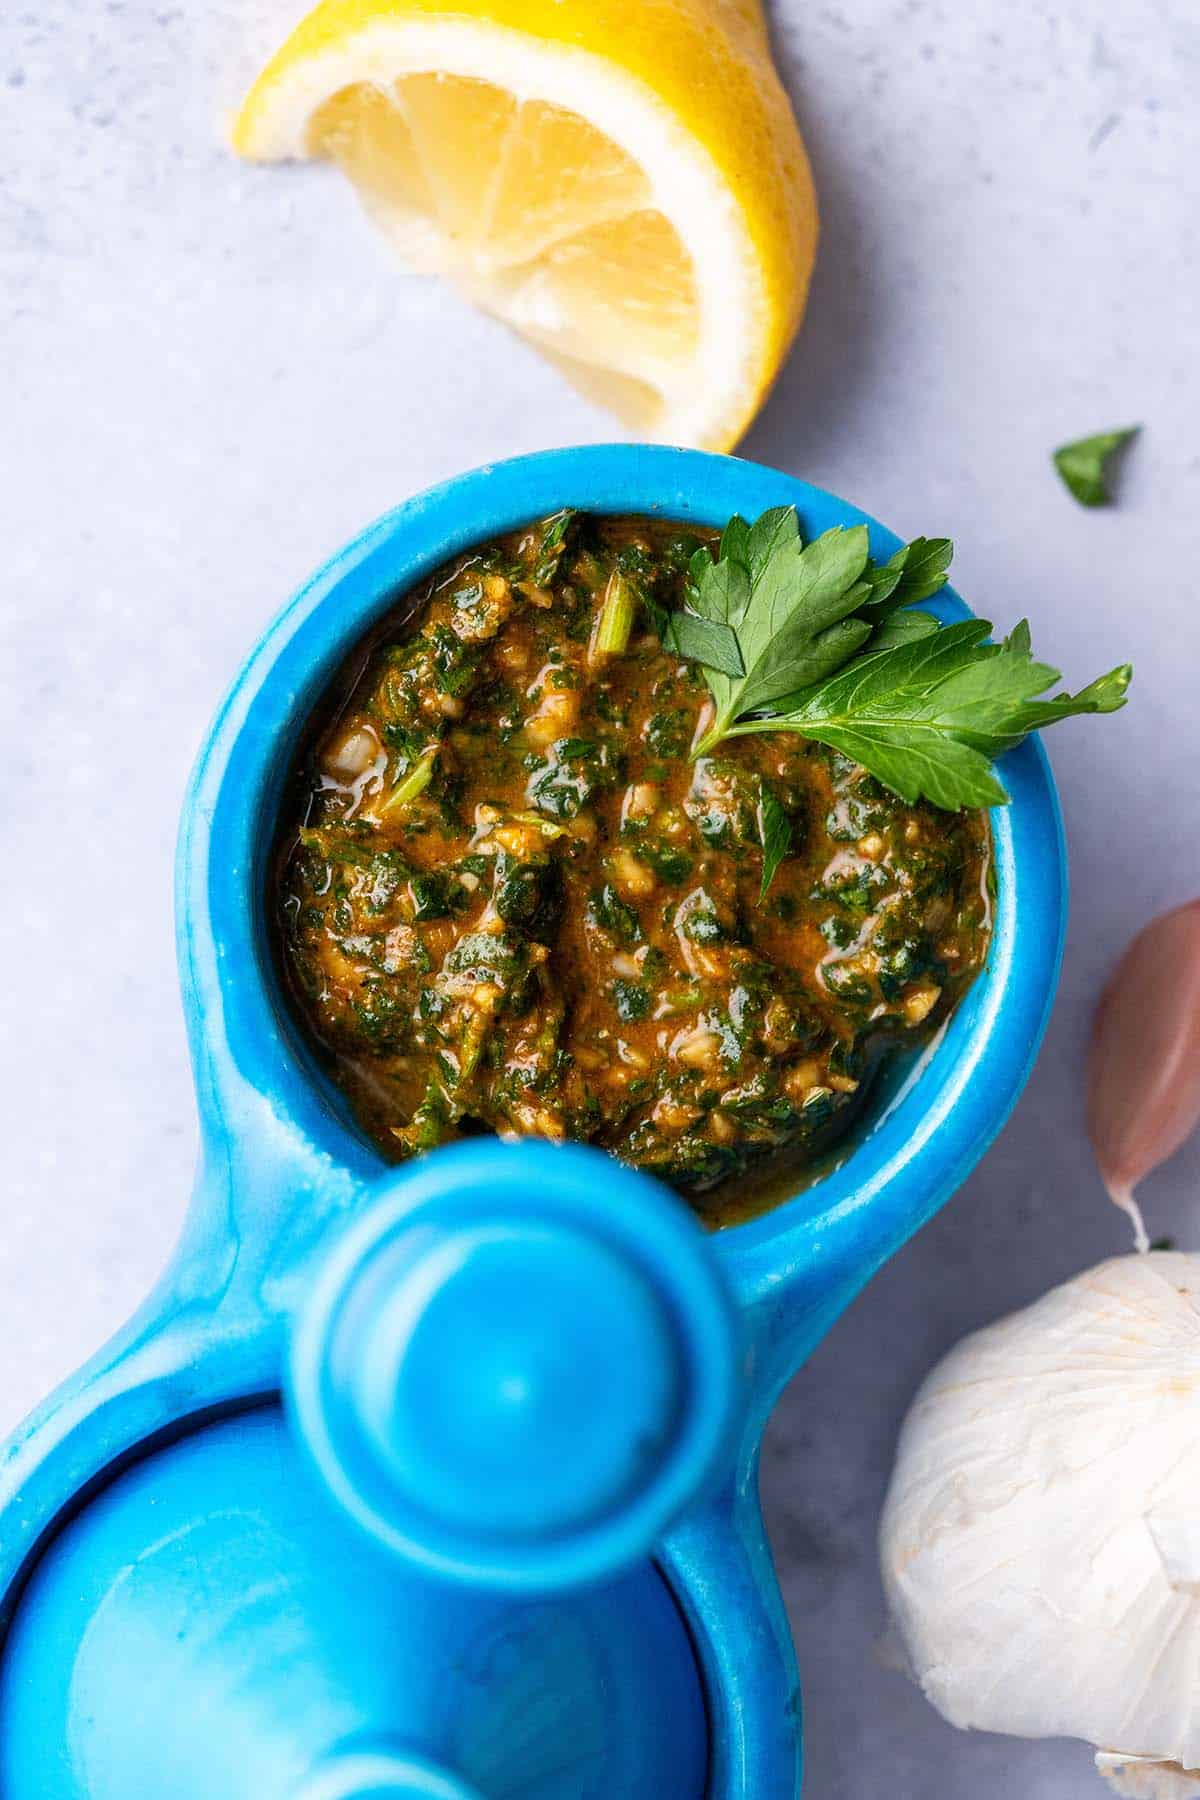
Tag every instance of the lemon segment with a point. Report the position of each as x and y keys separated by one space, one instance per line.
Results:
x=621 y=181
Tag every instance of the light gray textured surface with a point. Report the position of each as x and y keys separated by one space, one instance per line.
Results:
x=211 y=376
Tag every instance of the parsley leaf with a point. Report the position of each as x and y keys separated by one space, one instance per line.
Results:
x=1085 y=464
x=706 y=641
x=902 y=628
x=928 y=716
x=550 y=547
x=775 y=833
x=771 y=615
x=787 y=605
x=818 y=639
x=915 y=573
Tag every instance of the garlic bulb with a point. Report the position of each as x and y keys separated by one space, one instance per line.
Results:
x=1040 y=1540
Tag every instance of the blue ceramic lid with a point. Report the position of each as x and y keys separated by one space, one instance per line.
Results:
x=515 y=1367
x=519 y=1365
x=212 y=1627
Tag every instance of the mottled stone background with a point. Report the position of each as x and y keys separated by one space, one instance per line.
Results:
x=209 y=376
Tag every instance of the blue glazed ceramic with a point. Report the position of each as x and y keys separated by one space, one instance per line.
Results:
x=501 y=1537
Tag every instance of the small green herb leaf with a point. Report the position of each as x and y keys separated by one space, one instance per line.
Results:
x=928 y=716
x=706 y=641
x=915 y=573
x=551 y=547
x=781 y=608
x=778 y=529
x=719 y=591
x=799 y=597
x=902 y=628
x=1085 y=465
x=775 y=831
x=735 y=542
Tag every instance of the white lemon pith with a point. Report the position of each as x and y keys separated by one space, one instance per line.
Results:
x=624 y=187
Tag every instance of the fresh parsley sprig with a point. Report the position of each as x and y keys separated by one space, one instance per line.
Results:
x=928 y=717
x=817 y=639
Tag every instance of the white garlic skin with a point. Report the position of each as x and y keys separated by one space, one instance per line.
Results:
x=1029 y=1590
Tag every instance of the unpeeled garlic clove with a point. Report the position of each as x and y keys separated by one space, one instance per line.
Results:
x=1144 y=1075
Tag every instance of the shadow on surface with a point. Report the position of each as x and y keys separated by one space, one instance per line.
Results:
x=827 y=379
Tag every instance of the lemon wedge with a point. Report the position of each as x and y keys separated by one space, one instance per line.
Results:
x=621 y=181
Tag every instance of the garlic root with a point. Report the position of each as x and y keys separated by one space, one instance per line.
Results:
x=1141 y=1778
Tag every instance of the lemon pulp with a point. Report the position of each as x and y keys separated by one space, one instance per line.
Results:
x=565 y=193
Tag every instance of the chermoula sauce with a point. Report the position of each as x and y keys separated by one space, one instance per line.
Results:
x=508 y=901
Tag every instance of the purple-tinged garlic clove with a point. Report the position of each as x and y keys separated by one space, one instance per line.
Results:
x=1144 y=1075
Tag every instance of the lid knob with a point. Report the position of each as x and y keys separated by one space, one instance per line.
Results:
x=519 y=1364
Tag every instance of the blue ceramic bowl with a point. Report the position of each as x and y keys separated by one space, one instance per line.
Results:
x=281 y=1157
x=811 y=1251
